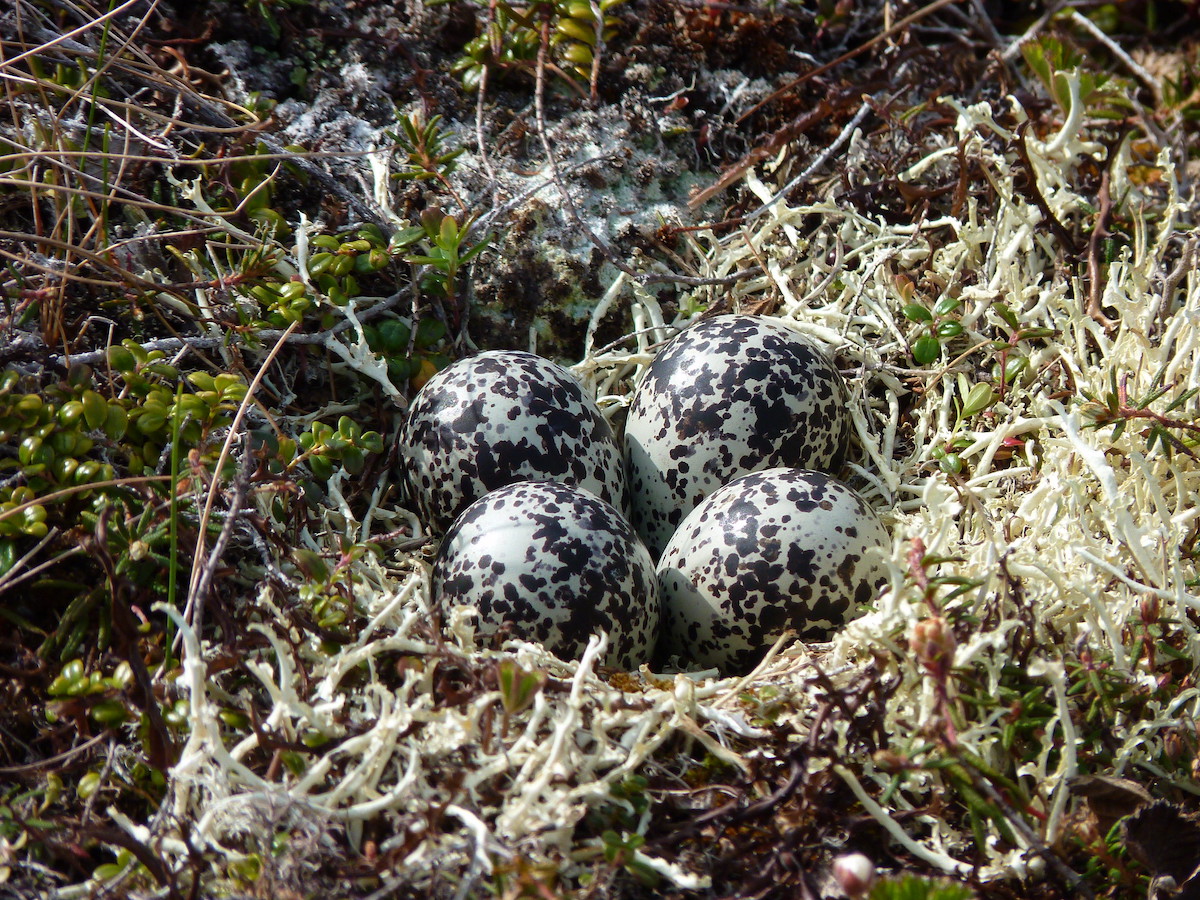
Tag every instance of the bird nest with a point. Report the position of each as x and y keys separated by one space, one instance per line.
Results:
x=1039 y=624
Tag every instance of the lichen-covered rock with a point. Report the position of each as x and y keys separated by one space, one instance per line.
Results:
x=497 y=418
x=556 y=564
x=731 y=395
x=773 y=550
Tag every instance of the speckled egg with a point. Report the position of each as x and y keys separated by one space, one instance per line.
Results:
x=731 y=395
x=501 y=417
x=784 y=548
x=557 y=564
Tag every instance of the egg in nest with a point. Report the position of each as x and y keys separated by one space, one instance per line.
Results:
x=770 y=551
x=556 y=564
x=501 y=417
x=730 y=395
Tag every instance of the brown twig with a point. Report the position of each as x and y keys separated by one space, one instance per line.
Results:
x=849 y=54
x=1095 y=242
x=1035 y=193
x=1065 y=872
x=240 y=486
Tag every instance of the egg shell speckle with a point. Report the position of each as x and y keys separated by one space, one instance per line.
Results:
x=784 y=548
x=558 y=564
x=501 y=417
x=731 y=395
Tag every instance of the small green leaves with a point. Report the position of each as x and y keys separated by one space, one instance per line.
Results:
x=338 y=260
x=392 y=339
x=936 y=325
x=1056 y=64
x=284 y=303
x=348 y=444
x=429 y=332
x=947 y=330
x=426 y=149
x=328 y=590
x=110 y=713
x=392 y=336
x=87 y=787
x=120 y=359
x=511 y=39
x=1173 y=429
x=447 y=250
x=101 y=695
x=622 y=850
x=946 y=305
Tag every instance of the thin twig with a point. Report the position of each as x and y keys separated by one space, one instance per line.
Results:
x=850 y=54
x=57 y=758
x=1154 y=85
x=1095 y=304
x=1035 y=192
x=8 y=583
x=1032 y=31
x=1065 y=872
x=209 y=112
x=78 y=488
x=174 y=345
x=817 y=163
x=480 y=142
x=225 y=448
x=240 y=486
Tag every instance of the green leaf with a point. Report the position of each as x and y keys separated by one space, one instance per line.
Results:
x=8 y=555
x=947 y=330
x=116 y=422
x=1009 y=317
x=475 y=250
x=946 y=305
x=321 y=467
x=353 y=460
x=951 y=463
x=915 y=312
x=406 y=237
x=88 y=785
x=448 y=236
x=150 y=423
x=202 y=381
x=429 y=332
x=70 y=413
x=980 y=398
x=926 y=349
x=110 y=712
x=577 y=30
x=394 y=335
x=121 y=359
x=95 y=409
x=311 y=564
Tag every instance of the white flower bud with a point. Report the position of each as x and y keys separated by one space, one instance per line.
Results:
x=855 y=873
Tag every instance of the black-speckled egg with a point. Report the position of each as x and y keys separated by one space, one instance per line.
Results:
x=773 y=550
x=731 y=395
x=497 y=418
x=557 y=564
